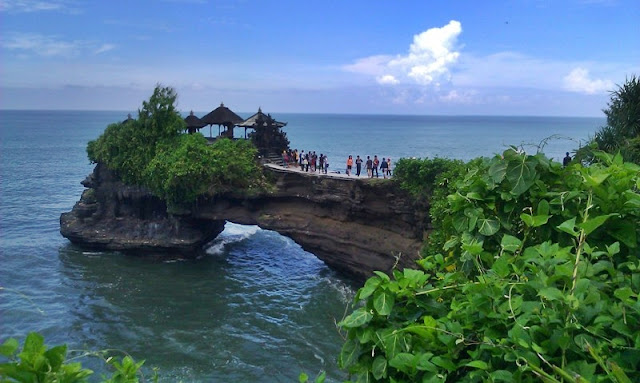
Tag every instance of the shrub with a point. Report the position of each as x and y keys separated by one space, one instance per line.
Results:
x=37 y=363
x=539 y=280
x=150 y=151
x=622 y=132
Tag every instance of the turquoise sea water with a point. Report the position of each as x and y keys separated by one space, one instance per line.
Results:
x=257 y=307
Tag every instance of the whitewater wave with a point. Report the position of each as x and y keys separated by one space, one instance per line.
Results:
x=232 y=233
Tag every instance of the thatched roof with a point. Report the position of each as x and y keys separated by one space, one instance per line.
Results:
x=221 y=116
x=193 y=122
x=260 y=119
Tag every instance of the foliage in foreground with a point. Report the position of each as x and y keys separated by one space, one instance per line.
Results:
x=432 y=179
x=36 y=363
x=622 y=132
x=150 y=151
x=539 y=281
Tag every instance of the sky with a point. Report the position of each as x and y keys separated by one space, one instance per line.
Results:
x=511 y=57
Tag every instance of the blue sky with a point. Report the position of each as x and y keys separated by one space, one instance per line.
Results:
x=526 y=57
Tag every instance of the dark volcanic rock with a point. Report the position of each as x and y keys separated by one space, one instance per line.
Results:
x=114 y=216
x=354 y=225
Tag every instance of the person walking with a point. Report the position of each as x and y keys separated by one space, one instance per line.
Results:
x=358 y=165
x=349 y=165
x=369 y=167
x=383 y=167
x=376 y=163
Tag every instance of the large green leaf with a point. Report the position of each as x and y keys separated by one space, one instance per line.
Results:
x=521 y=175
x=510 y=243
x=590 y=225
x=369 y=287
x=568 y=227
x=391 y=341
x=349 y=353
x=357 y=318
x=488 y=227
x=379 y=367
x=383 y=302
x=497 y=171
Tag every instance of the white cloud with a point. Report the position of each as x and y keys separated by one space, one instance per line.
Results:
x=29 y=6
x=105 y=48
x=460 y=97
x=41 y=45
x=578 y=81
x=387 y=79
x=51 y=46
x=430 y=56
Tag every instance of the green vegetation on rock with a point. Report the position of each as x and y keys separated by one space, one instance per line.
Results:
x=431 y=180
x=539 y=279
x=150 y=151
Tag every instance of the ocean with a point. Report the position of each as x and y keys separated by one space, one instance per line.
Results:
x=257 y=307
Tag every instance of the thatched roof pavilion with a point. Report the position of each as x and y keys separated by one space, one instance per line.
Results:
x=222 y=116
x=193 y=123
x=258 y=120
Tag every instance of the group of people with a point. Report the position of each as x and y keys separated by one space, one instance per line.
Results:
x=310 y=161
x=371 y=165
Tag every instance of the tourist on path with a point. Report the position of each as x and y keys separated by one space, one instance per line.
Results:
x=369 y=167
x=389 y=167
x=358 y=165
x=567 y=160
x=384 y=166
x=302 y=160
x=376 y=163
x=349 y=165
x=321 y=168
x=326 y=164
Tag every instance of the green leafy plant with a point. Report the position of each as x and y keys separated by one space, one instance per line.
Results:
x=539 y=280
x=35 y=363
x=431 y=180
x=150 y=151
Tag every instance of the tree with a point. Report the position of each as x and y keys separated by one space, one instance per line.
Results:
x=622 y=132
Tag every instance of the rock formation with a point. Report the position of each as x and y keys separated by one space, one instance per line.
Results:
x=354 y=225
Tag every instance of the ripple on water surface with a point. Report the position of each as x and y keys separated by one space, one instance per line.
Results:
x=256 y=307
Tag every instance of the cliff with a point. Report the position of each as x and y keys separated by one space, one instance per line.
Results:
x=354 y=225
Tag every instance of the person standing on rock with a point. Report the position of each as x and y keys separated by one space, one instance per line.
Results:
x=349 y=165
x=369 y=167
x=326 y=164
x=384 y=167
x=358 y=165
x=302 y=160
x=376 y=163
x=389 y=167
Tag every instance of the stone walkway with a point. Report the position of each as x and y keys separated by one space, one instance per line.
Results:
x=296 y=169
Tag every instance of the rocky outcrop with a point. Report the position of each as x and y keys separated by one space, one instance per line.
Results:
x=114 y=216
x=353 y=225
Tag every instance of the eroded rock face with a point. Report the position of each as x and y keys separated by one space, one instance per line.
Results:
x=114 y=216
x=354 y=225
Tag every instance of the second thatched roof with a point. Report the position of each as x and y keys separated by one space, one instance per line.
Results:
x=221 y=116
